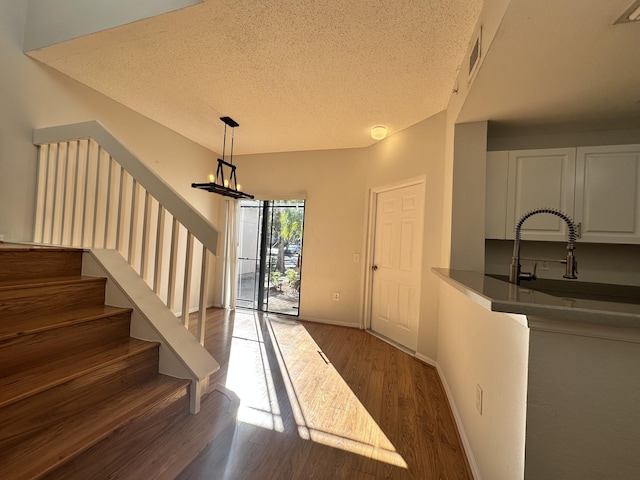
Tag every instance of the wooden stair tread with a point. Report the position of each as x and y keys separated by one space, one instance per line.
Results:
x=43 y=282
x=158 y=444
x=18 y=325
x=45 y=451
x=45 y=375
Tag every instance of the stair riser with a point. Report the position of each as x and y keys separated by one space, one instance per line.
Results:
x=26 y=350
x=29 y=417
x=40 y=263
x=42 y=299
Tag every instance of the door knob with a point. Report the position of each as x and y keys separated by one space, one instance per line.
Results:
x=374 y=268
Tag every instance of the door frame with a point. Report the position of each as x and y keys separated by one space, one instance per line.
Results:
x=367 y=299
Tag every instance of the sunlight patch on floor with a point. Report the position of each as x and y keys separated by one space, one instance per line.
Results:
x=249 y=376
x=325 y=409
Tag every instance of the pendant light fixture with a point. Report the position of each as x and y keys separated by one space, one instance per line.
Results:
x=225 y=186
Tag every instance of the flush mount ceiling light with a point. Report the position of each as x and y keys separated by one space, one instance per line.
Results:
x=631 y=14
x=225 y=186
x=378 y=132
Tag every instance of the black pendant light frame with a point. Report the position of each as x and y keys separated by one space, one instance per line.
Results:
x=218 y=186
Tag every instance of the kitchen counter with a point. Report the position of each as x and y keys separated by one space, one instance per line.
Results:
x=498 y=295
x=582 y=357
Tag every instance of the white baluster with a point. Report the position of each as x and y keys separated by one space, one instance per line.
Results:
x=157 y=274
x=146 y=225
x=204 y=287
x=107 y=207
x=96 y=197
x=133 y=224
x=186 y=291
x=38 y=231
x=173 y=260
x=120 y=215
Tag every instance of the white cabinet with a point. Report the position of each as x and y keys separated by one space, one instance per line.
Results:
x=608 y=193
x=540 y=179
x=599 y=187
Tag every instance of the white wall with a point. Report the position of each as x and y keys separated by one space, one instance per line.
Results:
x=34 y=96
x=468 y=199
x=415 y=151
x=332 y=183
x=336 y=185
x=597 y=262
x=54 y=21
x=479 y=347
x=502 y=137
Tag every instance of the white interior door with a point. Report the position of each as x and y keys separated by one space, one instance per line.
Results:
x=397 y=264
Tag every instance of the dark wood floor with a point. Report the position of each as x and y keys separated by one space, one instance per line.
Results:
x=323 y=402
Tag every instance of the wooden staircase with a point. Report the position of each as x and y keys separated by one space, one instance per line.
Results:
x=71 y=378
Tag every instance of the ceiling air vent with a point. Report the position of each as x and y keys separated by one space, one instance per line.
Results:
x=631 y=14
x=474 y=56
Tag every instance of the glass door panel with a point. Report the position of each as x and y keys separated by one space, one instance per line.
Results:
x=285 y=256
x=270 y=255
x=249 y=234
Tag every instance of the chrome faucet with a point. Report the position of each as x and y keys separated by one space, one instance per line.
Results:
x=515 y=275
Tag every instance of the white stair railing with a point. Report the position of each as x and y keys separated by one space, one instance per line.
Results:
x=92 y=192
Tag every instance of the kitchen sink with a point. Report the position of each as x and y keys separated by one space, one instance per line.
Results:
x=602 y=292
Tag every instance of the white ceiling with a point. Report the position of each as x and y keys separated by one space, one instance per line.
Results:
x=560 y=65
x=296 y=75
x=312 y=75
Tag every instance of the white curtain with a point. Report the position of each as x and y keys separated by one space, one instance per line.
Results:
x=230 y=277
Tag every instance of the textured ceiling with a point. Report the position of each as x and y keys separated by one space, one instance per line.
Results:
x=296 y=75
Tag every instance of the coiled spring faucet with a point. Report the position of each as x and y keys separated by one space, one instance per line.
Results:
x=515 y=275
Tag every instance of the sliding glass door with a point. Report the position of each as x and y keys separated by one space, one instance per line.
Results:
x=270 y=255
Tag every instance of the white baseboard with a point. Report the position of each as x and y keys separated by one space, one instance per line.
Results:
x=329 y=322
x=178 y=314
x=456 y=416
x=397 y=345
x=427 y=360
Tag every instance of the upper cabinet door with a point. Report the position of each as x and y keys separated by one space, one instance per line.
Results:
x=608 y=193
x=540 y=179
